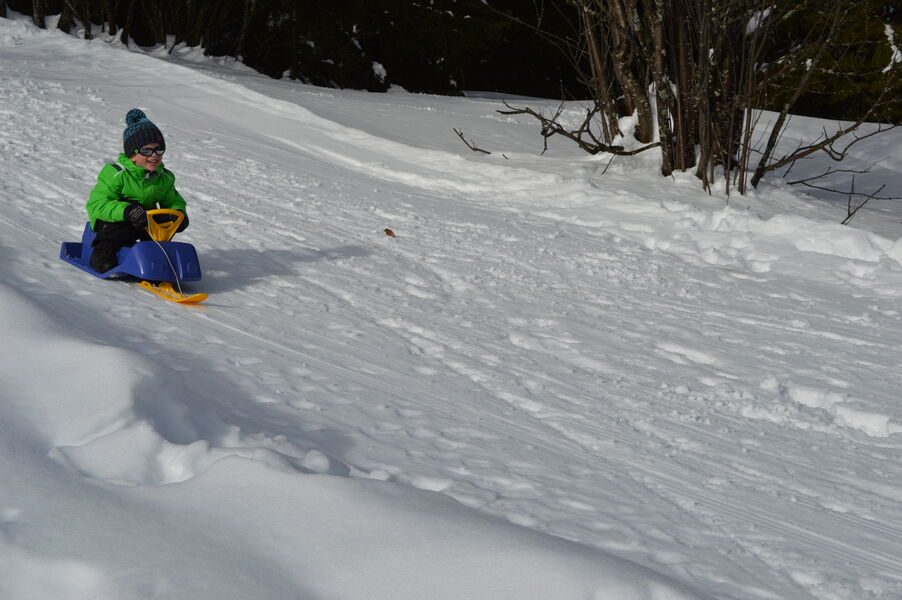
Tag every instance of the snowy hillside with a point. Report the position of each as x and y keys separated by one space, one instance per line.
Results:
x=553 y=383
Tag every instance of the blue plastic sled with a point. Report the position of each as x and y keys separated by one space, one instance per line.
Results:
x=144 y=260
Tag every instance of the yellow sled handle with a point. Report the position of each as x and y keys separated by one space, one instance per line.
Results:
x=163 y=232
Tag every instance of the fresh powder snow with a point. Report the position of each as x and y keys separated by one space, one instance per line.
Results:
x=562 y=378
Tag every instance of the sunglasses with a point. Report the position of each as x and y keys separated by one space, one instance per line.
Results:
x=145 y=151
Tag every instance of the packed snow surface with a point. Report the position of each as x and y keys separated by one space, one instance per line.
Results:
x=561 y=379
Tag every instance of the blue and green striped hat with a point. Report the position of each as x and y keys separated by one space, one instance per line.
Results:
x=140 y=131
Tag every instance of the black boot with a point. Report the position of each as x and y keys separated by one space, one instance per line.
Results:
x=104 y=256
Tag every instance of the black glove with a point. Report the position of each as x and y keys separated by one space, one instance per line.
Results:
x=135 y=215
x=183 y=225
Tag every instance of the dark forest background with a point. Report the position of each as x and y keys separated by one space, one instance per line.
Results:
x=434 y=46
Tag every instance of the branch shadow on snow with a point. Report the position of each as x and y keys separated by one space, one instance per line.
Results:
x=237 y=268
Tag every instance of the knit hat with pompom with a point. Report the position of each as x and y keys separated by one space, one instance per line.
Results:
x=140 y=131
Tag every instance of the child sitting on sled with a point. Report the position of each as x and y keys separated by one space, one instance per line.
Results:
x=125 y=189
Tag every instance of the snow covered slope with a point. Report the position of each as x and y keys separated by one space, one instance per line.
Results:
x=552 y=383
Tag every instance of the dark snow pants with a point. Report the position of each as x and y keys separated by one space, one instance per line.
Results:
x=120 y=233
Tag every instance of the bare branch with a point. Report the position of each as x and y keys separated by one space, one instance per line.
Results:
x=852 y=211
x=826 y=145
x=551 y=127
x=882 y=128
x=853 y=193
x=831 y=171
x=853 y=205
x=472 y=146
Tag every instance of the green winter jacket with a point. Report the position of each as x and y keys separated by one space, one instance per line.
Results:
x=116 y=188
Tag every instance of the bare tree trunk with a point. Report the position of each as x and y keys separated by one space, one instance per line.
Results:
x=753 y=43
x=727 y=115
x=665 y=101
x=109 y=8
x=158 y=22
x=176 y=26
x=249 y=6
x=187 y=33
x=719 y=115
x=209 y=22
x=199 y=25
x=65 y=22
x=685 y=119
x=152 y=16
x=622 y=62
x=86 y=19
x=703 y=79
x=295 y=69
x=39 y=13
x=129 y=21
x=599 y=80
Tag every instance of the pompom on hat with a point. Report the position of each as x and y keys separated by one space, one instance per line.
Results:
x=140 y=131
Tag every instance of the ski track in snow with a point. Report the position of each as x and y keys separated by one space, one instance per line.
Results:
x=686 y=388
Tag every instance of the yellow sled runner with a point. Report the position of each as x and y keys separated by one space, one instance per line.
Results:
x=165 y=291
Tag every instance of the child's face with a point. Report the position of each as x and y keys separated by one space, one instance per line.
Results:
x=151 y=162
